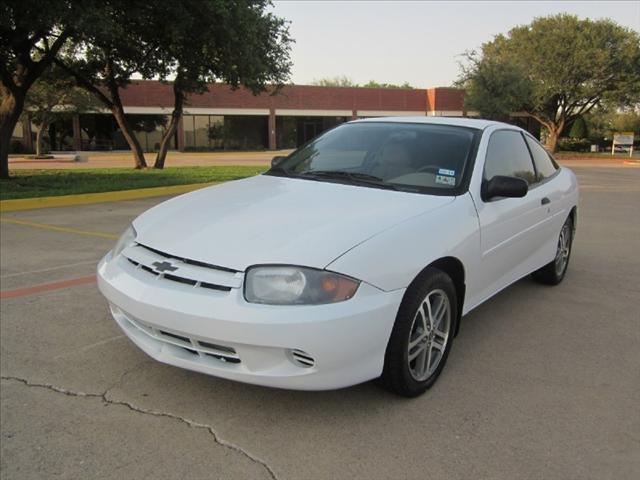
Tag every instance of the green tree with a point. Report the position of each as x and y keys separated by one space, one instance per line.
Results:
x=193 y=41
x=374 y=84
x=556 y=69
x=493 y=88
x=54 y=96
x=337 y=81
x=32 y=33
x=233 y=42
x=603 y=122
x=625 y=121
x=124 y=41
x=579 y=128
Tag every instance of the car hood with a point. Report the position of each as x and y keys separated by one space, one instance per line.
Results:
x=277 y=220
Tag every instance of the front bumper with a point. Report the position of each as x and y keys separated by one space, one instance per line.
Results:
x=198 y=329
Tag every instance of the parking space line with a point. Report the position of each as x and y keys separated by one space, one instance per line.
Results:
x=92 y=198
x=55 y=228
x=47 y=287
x=89 y=347
x=43 y=270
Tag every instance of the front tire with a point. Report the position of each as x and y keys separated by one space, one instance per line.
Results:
x=422 y=335
x=554 y=271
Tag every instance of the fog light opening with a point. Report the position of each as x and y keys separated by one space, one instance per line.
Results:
x=302 y=358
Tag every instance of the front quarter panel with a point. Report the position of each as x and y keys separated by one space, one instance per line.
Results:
x=393 y=258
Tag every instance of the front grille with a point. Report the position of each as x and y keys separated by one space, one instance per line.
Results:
x=194 y=346
x=189 y=261
x=181 y=270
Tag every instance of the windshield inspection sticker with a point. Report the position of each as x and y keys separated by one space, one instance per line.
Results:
x=444 y=171
x=445 y=180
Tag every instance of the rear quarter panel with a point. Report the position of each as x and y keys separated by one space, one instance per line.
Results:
x=566 y=190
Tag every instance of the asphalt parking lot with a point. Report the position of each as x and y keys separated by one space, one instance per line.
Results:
x=542 y=383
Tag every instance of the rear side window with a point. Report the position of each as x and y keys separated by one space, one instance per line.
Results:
x=507 y=155
x=545 y=165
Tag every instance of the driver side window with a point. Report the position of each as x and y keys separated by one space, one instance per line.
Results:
x=507 y=155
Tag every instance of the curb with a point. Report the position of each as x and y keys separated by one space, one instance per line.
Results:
x=89 y=198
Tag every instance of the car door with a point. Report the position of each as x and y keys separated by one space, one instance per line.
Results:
x=511 y=229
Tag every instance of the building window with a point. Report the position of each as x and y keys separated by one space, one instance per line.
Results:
x=286 y=132
x=228 y=132
x=57 y=137
x=149 y=130
x=98 y=132
x=201 y=131
x=292 y=132
x=101 y=132
x=187 y=125
x=245 y=132
x=216 y=132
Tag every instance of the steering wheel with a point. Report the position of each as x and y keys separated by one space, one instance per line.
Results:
x=429 y=168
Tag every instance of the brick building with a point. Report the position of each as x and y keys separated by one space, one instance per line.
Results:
x=228 y=119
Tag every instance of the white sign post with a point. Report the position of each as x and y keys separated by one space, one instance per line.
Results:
x=622 y=139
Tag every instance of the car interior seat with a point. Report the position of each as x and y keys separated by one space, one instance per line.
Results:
x=394 y=160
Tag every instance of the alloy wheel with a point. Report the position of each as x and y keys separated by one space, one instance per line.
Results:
x=564 y=246
x=429 y=334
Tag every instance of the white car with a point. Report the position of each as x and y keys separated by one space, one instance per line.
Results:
x=351 y=259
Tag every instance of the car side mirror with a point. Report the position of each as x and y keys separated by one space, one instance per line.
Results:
x=277 y=160
x=501 y=186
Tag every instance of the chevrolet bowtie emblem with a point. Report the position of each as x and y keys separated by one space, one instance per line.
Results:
x=164 y=267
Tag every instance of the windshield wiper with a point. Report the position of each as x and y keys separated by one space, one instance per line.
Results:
x=342 y=174
x=353 y=177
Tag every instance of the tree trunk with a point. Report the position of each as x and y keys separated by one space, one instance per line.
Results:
x=127 y=132
x=10 y=110
x=555 y=130
x=118 y=112
x=552 y=139
x=114 y=104
x=15 y=85
x=178 y=102
x=39 y=139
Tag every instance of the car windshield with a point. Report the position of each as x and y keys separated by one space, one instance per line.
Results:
x=412 y=157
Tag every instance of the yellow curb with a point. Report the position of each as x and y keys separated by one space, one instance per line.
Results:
x=88 y=198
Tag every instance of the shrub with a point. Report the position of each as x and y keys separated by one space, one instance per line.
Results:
x=574 y=144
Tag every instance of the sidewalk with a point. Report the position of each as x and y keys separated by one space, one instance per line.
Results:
x=618 y=161
x=125 y=160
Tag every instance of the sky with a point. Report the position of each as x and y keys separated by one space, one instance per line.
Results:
x=413 y=41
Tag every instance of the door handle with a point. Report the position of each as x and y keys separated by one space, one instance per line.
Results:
x=545 y=201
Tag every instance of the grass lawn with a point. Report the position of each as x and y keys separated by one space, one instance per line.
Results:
x=45 y=183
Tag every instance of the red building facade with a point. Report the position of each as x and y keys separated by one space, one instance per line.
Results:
x=223 y=118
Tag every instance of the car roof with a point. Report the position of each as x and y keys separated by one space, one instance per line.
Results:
x=454 y=121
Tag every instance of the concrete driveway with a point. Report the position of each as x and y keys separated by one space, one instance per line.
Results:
x=542 y=382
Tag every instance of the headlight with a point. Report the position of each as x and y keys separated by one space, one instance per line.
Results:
x=283 y=285
x=127 y=239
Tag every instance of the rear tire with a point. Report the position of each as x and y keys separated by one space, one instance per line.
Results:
x=422 y=335
x=554 y=271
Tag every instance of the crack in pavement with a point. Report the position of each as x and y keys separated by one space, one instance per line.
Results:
x=104 y=397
